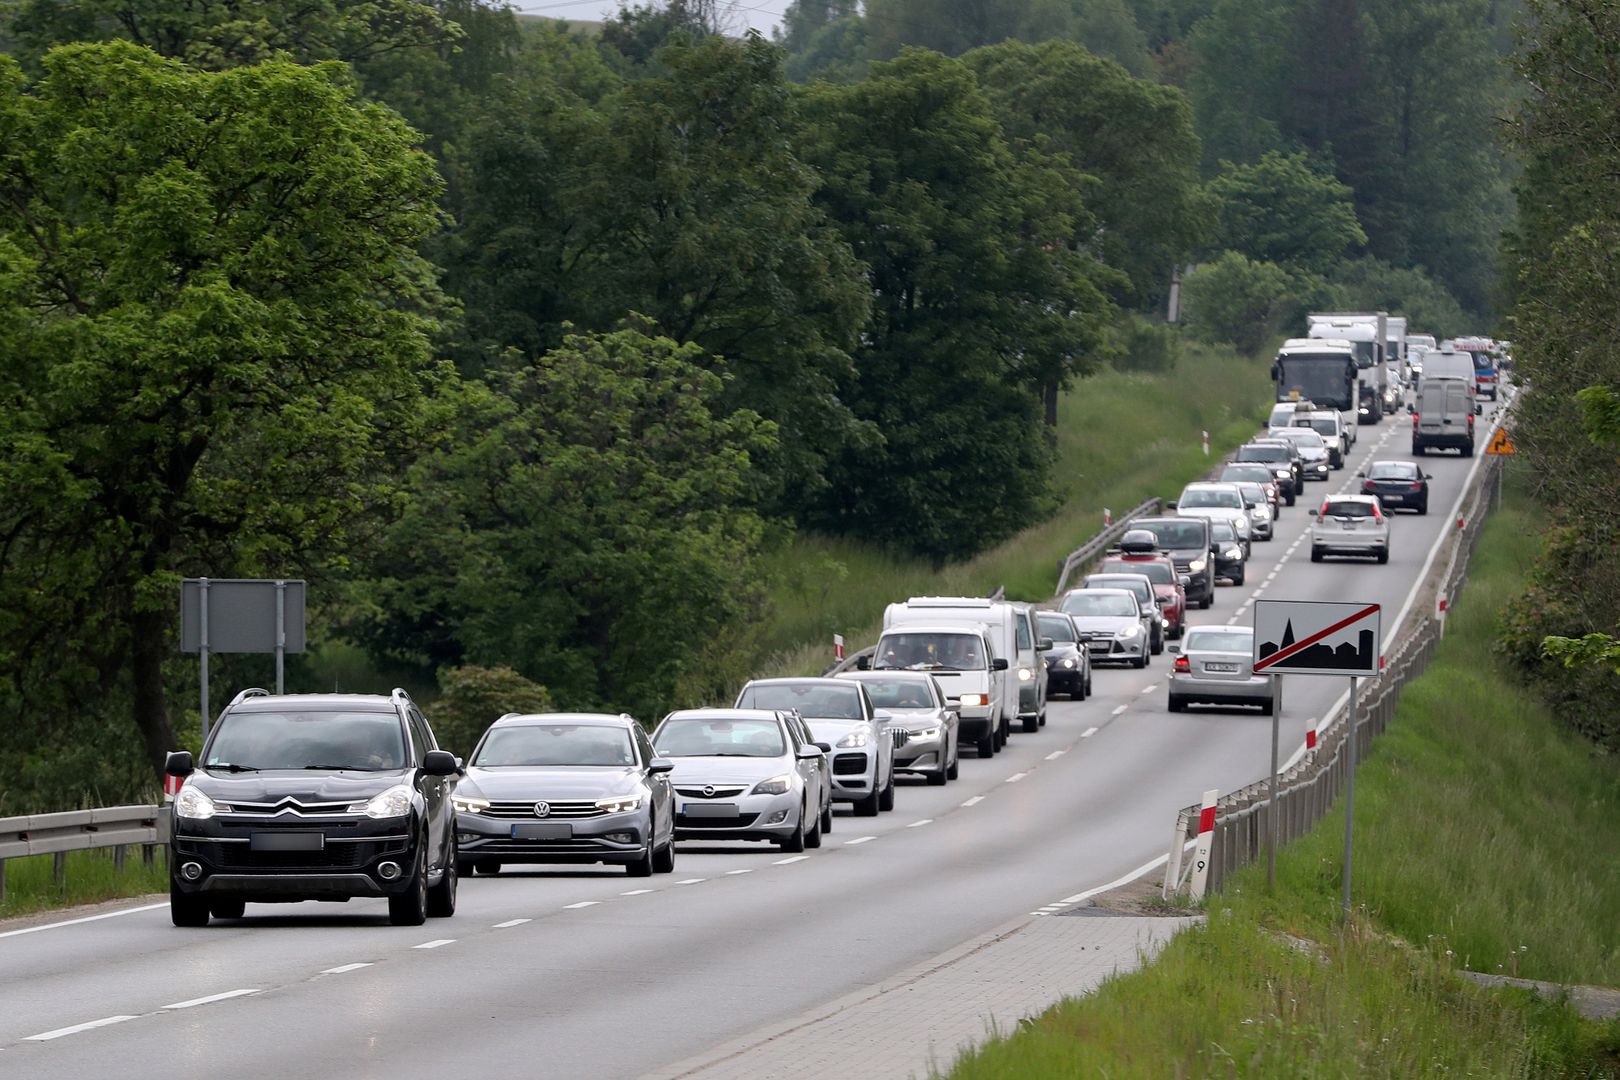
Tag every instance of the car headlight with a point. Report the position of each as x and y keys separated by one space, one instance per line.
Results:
x=468 y=804
x=1129 y=632
x=1069 y=661
x=973 y=701
x=395 y=802
x=1025 y=674
x=1240 y=523
x=1196 y=566
x=1234 y=552
x=193 y=804
x=852 y=740
x=625 y=803
x=925 y=733
x=776 y=785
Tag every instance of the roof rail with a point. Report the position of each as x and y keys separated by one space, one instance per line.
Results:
x=398 y=694
x=252 y=691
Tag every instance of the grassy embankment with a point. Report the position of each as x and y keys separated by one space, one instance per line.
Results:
x=90 y=878
x=1487 y=838
x=1122 y=438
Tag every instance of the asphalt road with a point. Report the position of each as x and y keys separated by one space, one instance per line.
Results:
x=589 y=973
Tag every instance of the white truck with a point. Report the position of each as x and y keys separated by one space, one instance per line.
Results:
x=1399 y=375
x=1012 y=632
x=1365 y=330
x=962 y=659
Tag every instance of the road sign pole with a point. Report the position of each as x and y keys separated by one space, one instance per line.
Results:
x=281 y=635
x=202 y=651
x=1275 y=809
x=1349 y=799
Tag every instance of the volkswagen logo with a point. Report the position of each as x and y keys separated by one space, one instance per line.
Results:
x=542 y=809
x=708 y=791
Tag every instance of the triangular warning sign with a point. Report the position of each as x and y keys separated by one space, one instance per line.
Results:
x=1501 y=443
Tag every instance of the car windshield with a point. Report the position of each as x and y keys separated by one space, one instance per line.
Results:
x=1392 y=470
x=898 y=693
x=1177 y=534
x=555 y=744
x=824 y=702
x=930 y=652
x=1306 y=437
x=1220 y=639
x=1321 y=425
x=1143 y=591
x=1252 y=492
x=1347 y=508
x=1057 y=628
x=1156 y=572
x=702 y=736
x=1222 y=532
x=1263 y=453
x=1234 y=473
x=308 y=739
x=1203 y=497
x=1100 y=604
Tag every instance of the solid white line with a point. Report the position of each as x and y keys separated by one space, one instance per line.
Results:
x=1121 y=709
x=435 y=944
x=1054 y=755
x=87 y=918
x=1088 y=733
x=1015 y=777
x=920 y=824
x=227 y=995
x=789 y=860
x=692 y=881
x=632 y=892
x=581 y=904
x=860 y=840
x=744 y=870
x=509 y=923
x=344 y=969
x=975 y=801
x=46 y=1036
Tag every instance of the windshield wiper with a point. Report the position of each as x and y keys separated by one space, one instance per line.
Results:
x=339 y=768
x=231 y=767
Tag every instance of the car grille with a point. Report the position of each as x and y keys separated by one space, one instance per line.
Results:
x=523 y=809
x=290 y=807
x=710 y=793
x=489 y=849
x=741 y=821
x=334 y=857
x=849 y=764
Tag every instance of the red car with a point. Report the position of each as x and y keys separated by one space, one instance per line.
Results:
x=1162 y=573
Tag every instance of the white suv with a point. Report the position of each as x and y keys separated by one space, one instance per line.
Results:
x=1350 y=525
x=1217 y=502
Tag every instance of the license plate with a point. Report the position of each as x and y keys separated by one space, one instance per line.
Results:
x=1348 y=523
x=543 y=830
x=709 y=809
x=1226 y=669
x=261 y=841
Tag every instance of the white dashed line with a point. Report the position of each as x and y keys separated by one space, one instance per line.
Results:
x=790 y=860
x=1146 y=690
x=1088 y=733
x=975 y=801
x=581 y=904
x=1121 y=709
x=227 y=995
x=692 y=881
x=1015 y=777
x=632 y=892
x=1054 y=755
x=1075 y=899
x=435 y=944
x=1037 y=913
x=47 y=1036
x=859 y=840
x=344 y=969
x=744 y=870
x=920 y=824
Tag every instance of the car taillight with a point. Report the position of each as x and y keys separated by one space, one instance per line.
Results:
x=1366 y=485
x=1417 y=485
x=1182 y=664
x=1414 y=421
x=1378 y=514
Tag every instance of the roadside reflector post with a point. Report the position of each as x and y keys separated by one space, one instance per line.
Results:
x=1206 y=444
x=1172 y=868
x=1349 y=797
x=1274 y=804
x=838 y=646
x=1108 y=517
x=1310 y=741
x=1206 y=838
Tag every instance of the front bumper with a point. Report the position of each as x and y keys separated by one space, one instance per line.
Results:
x=921 y=755
x=611 y=838
x=353 y=848
x=1117 y=650
x=1317 y=470
x=976 y=722
x=756 y=817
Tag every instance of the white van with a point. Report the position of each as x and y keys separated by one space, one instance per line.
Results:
x=1012 y=631
x=1443 y=415
x=962 y=659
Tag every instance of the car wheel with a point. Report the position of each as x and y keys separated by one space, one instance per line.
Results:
x=795 y=843
x=1383 y=554
x=1468 y=448
x=1003 y=729
x=643 y=864
x=886 y=800
x=1042 y=718
x=1418 y=449
x=664 y=858
x=826 y=818
x=410 y=907
x=1140 y=662
x=464 y=868
x=1316 y=555
x=1237 y=578
x=954 y=769
x=812 y=839
x=1032 y=724
x=227 y=909
x=869 y=805
x=1175 y=704
x=1156 y=643
x=1088 y=684
x=1268 y=707
x=187 y=910
x=1209 y=597
x=1289 y=498
x=441 y=898
x=1423 y=507
x=938 y=777
x=488 y=866
x=985 y=745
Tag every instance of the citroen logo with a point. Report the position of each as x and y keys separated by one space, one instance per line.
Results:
x=542 y=809
x=708 y=790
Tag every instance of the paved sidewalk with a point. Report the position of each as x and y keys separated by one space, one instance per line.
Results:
x=927 y=1015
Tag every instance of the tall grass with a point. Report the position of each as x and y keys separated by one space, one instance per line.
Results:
x=1122 y=437
x=91 y=877
x=1487 y=837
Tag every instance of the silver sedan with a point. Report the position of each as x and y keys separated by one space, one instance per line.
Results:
x=1216 y=667
x=914 y=701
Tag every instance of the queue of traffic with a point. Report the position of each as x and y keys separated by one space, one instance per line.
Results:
x=329 y=797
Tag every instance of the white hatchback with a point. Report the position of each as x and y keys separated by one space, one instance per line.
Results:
x=1217 y=502
x=1350 y=525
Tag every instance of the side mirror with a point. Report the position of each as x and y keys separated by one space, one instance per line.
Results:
x=863 y=663
x=461 y=767
x=825 y=748
x=1184 y=580
x=882 y=716
x=1362 y=475
x=998 y=664
x=1411 y=407
x=808 y=752
x=439 y=763
x=179 y=763
x=1428 y=476
x=1172 y=647
x=660 y=765
x=1170 y=505
x=1479 y=410
x=1044 y=645
x=1311 y=511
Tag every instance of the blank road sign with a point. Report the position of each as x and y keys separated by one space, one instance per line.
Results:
x=1305 y=637
x=241 y=615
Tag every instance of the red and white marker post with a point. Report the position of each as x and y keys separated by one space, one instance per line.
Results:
x=1205 y=842
x=1310 y=741
x=1108 y=517
x=838 y=646
x=171 y=787
x=1206 y=444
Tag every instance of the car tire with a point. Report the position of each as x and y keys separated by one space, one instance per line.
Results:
x=985 y=745
x=886 y=799
x=1237 y=578
x=465 y=867
x=1175 y=704
x=794 y=844
x=410 y=907
x=827 y=819
x=938 y=777
x=664 y=858
x=441 y=898
x=185 y=909
x=642 y=865
x=227 y=909
x=1032 y=724
x=1289 y=498
x=1316 y=555
x=1140 y=662
x=1423 y=507
x=1156 y=643
x=1268 y=707
x=1042 y=717
x=1468 y=448
x=812 y=839
x=488 y=867
x=869 y=805
x=1088 y=684
x=1209 y=598
x=1383 y=555
x=954 y=769
x=1418 y=449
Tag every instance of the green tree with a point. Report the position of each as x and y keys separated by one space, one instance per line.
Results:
x=824 y=39
x=1369 y=284
x=471 y=698
x=209 y=311
x=1248 y=302
x=953 y=27
x=588 y=526
x=1283 y=211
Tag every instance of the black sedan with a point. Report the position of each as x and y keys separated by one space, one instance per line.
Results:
x=1068 y=661
x=1227 y=551
x=1397 y=483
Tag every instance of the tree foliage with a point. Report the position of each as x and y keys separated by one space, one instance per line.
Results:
x=471 y=697
x=1248 y=302
x=1282 y=210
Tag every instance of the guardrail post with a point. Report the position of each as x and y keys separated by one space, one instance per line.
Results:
x=119 y=853
x=2 y=881
x=59 y=869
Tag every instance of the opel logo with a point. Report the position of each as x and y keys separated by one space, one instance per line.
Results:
x=708 y=790
x=542 y=809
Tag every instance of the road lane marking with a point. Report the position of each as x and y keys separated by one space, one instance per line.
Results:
x=919 y=824
x=436 y=943
x=692 y=881
x=632 y=892
x=1015 y=777
x=745 y=870
x=47 y=1036
x=1054 y=755
x=344 y=969
x=790 y=860
x=1146 y=690
x=581 y=904
x=87 y=918
x=975 y=801
x=859 y=840
x=211 y=998
x=1088 y=733
x=509 y=923
x=1121 y=709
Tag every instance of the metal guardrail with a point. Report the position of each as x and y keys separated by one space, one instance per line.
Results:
x=1099 y=544
x=116 y=827
x=1308 y=790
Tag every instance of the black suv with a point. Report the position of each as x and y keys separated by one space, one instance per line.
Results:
x=314 y=797
x=1187 y=541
